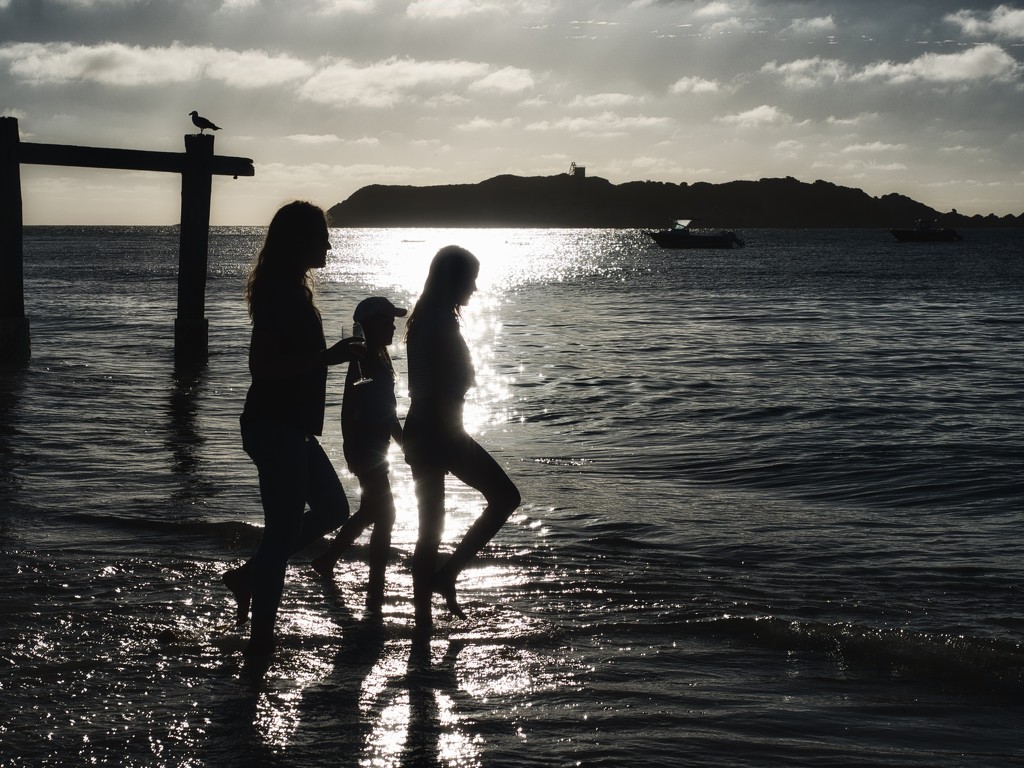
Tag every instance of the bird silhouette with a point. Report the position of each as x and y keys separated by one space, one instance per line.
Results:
x=202 y=123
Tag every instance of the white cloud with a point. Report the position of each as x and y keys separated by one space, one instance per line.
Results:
x=505 y=80
x=860 y=168
x=809 y=73
x=385 y=83
x=117 y=64
x=313 y=138
x=875 y=146
x=813 y=26
x=605 y=124
x=788 y=148
x=603 y=101
x=485 y=124
x=732 y=26
x=757 y=117
x=94 y=3
x=332 y=7
x=451 y=9
x=694 y=85
x=1003 y=21
x=718 y=8
x=851 y=122
x=983 y=62
x=253 y=69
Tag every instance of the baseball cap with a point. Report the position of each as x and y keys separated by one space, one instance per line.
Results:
x=376 y=305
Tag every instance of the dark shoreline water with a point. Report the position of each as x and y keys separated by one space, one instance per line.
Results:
x=772 y=513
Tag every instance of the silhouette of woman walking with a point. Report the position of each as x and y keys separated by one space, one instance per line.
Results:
x=434 y=439
x=284 y=413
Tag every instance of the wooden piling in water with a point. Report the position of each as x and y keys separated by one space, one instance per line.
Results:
x=14 y=334
x=197 y=167
x=191 y=328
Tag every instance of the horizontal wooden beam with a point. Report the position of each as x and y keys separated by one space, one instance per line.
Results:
x=125 y=159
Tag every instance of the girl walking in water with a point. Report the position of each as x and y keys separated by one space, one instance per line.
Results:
x=435 y=441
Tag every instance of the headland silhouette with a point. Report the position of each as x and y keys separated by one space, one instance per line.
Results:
x=579 y=201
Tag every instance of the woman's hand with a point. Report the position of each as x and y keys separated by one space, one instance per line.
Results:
x=345 y=351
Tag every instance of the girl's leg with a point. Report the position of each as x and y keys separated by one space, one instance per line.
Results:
x=476 y=468
x=430 y=501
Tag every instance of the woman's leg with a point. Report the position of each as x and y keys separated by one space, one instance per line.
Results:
x=328 y=505
x=429 y=481
x=326 y=497
x=284 y=480
x=476 y=468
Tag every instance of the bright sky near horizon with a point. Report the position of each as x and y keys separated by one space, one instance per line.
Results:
x=923 y=97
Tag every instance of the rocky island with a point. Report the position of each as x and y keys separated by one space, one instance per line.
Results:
x=579 y=201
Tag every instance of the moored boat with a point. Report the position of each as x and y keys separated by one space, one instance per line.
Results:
x=681 y=236
x=926 y=232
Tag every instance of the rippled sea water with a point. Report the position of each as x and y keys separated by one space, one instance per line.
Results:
x=773 y=506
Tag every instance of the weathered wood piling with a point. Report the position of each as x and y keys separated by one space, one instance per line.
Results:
x=197 y=167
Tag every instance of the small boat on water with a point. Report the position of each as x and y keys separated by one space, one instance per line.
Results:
x=926 y=232
x=681 y=236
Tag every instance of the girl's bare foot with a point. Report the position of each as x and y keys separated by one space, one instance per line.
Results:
x=239 y=581
x=444 y=586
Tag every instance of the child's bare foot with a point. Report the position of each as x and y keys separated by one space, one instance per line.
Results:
x=239 y=581
x=324 y=565
x=446 y=587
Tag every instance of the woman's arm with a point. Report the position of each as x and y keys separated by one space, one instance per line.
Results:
x=270 y=357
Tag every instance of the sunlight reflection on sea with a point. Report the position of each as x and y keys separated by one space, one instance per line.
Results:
x=770 y=496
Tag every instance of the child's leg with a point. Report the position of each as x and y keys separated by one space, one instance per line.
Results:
x=370 y=483
x=378 y=497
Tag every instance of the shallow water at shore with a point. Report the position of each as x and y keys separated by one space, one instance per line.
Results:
x=772 y=505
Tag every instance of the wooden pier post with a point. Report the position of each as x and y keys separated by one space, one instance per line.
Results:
x=197 y=167
x=191 y=328
x=14 y=336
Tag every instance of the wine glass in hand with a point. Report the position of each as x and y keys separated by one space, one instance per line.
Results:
x=360 y=340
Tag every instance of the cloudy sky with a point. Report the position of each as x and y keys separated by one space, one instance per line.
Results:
x=925 y=97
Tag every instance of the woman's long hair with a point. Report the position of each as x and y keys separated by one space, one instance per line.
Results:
x=450 y=270
x=290 y=236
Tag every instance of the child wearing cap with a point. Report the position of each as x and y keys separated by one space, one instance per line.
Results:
x=369 y=421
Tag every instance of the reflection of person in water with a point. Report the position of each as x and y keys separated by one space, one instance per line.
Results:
x=369 y=421
x=435 y=441
x=284 y=413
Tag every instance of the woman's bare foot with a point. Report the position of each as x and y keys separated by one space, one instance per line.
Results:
x=261 y=639
x=445 y=587
x=239 y=581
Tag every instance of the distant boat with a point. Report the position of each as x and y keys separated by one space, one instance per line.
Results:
x=681 y=236
x=926 y=232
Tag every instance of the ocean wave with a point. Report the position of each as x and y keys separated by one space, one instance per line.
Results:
x=968 y=662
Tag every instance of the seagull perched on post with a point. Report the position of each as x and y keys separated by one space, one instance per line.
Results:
x=202 y=123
